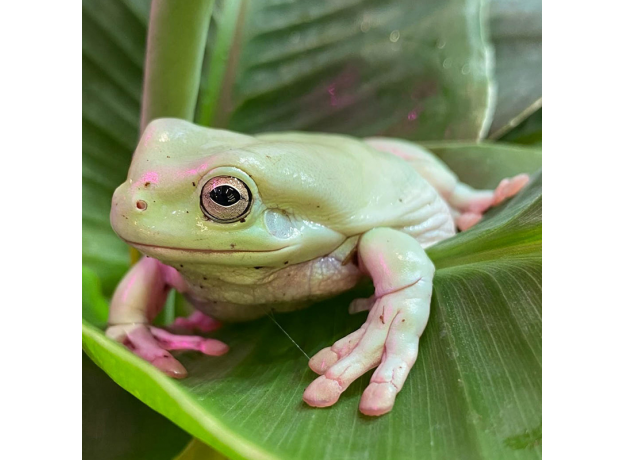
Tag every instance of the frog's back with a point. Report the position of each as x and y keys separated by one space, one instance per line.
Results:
x=373 y=188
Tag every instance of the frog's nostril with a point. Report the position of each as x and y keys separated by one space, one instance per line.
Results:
x=141 y=205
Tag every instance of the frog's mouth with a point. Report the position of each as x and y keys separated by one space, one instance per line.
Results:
x=230 y=257
x=148 y=247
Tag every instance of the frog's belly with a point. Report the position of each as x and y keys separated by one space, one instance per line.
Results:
x=288 y=289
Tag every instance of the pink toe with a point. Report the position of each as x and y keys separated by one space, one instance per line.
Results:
x=378 y=399
x=323 y=360
x=501 y=191
x=323 y=392
x=213 y=347
x=517 y=183
x=170 y=366
x=467 y=220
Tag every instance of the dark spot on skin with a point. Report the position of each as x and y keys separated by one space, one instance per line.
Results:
x=201 y=286
x=382 y=320
x=167 y=157
x=147 y=184
x=181 y=266
x=289 y=274
x=402 y=320
x=242 y=220
x=205 y=278
x=286 y=263
x=193 y=184
x=400 y=200
x=317 y=206
x=257 y=268
x=187 y=212
x=268 y=157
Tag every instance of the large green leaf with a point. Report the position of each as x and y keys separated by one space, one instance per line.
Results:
x=474 y=392
x=418 y=70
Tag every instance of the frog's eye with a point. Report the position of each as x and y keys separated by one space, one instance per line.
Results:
x=225 y=199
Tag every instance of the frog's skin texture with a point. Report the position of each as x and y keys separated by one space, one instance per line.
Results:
x=325 y=211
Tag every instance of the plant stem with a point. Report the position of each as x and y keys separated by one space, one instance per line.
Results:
x=176 y=43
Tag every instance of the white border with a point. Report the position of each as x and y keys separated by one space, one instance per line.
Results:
x=583 y=145
x=40 y=45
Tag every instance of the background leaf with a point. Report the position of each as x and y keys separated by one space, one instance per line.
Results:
x=528 y=132
x=113 y=47
x=418 y=70
x=516 y=31
x=474 y=392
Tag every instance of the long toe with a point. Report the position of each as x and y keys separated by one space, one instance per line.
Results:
x=213 y=347
x=517 y=183
x=170 y=366
x=378 y=399
x=323 y=360
x=323 y=392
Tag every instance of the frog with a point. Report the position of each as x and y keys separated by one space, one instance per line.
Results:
x=242 y=225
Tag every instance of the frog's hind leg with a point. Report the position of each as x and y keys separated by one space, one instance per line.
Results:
x=467 y=204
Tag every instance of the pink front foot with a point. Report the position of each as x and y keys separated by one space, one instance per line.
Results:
x=197 y=321
x=152 y=344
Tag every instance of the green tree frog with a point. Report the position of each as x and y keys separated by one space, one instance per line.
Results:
x=244 y=224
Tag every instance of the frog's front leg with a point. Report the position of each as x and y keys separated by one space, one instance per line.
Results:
x=403 y=276
x=136 y=302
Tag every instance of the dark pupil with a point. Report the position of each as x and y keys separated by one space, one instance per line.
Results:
x=224 y=195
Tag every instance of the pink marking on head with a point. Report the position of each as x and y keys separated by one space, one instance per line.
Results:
x=195 y=171
x=150 y=176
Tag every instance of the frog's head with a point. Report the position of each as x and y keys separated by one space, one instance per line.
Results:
x=211 y=196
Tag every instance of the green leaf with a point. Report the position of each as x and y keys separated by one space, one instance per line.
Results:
x=417 y=70
x=94 y=305
x=474 y=393
x=115 y=425
x=113 y=46
x=528 y=132
x=516 y=31
x=484 y=165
